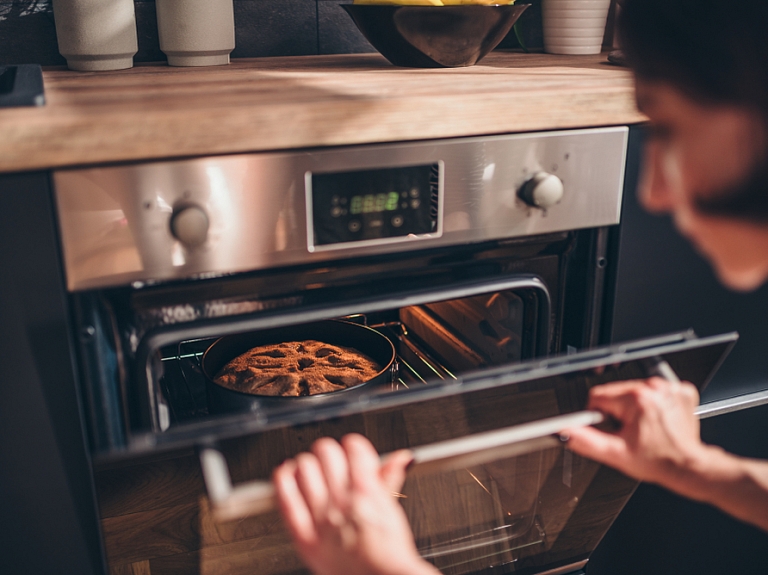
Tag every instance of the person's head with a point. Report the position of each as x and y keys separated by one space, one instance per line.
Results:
x=701 y=70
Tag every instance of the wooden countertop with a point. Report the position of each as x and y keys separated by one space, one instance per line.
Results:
x=156 y=111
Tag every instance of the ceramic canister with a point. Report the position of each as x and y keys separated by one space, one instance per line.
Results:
x=96 y=35
x=574 y=26
x=196 y=32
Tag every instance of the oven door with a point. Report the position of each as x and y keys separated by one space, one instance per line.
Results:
x=438 y=334
x=492 y=489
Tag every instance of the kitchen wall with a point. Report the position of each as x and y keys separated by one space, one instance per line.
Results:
x=263 y=28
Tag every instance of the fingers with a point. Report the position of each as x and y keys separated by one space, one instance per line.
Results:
x=333 y=462
x=293 y=505
x=624 y=400
x=684 y=389
x=363 y=463
x=598 y=445
x=691 y=393
x=392 y=471
x=617 y=400
x=656 y=383
x=313 y=486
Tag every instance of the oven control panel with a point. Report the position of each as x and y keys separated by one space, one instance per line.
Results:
x=137 y=224
x=369 y=207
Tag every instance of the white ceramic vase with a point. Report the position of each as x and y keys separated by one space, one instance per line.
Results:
x=574 y=26
x=196 y=32
x=95 y=35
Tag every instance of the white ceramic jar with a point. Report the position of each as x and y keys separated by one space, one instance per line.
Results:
x=574 y=26
x=196 y=32
x=95 y=35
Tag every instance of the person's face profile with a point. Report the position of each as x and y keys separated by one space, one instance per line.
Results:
x=699 y=153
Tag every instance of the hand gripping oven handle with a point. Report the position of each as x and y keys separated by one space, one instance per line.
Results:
x=230 y=502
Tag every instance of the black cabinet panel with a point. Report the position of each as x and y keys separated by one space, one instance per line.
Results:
x=664 y=286
x=337 y=33
x=28 y=34
x=661 y=533
x=275 y=28
x=48 y=517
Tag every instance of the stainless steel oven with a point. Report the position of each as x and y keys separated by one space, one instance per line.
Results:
x=476 y=258
x=468 y=253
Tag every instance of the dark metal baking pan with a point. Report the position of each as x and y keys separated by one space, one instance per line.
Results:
x=335 y=332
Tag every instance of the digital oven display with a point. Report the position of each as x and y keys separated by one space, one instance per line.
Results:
x=373 y=206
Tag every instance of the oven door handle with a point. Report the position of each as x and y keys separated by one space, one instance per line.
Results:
x=230 y=502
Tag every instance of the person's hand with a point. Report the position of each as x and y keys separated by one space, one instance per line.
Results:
x=658 y=437
x=339 y=506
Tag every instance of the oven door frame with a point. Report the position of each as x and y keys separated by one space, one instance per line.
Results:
x=232 y=425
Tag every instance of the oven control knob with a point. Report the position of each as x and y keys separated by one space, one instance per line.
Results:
x=189 y=225
x=543 y=190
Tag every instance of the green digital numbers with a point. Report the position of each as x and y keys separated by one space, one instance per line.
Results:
x=374 y=203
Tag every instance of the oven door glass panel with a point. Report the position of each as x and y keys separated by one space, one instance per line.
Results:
x=502 y=514
x=495 y=513
x=530 y=513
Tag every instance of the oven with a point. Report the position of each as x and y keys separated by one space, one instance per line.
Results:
x=485 y=264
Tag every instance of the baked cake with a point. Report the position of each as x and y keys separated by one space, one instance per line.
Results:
x=297 y=368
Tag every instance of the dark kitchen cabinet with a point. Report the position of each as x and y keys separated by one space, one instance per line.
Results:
x=48 y=517
x=663 y=285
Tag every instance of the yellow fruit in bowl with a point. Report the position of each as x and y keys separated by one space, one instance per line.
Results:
x=434 y=2
x=402 y=2
x=481 y=2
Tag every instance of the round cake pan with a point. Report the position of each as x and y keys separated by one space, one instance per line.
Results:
x=335 y=332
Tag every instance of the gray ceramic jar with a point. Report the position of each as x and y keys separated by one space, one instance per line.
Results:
x=196 y=32
x=95 y=35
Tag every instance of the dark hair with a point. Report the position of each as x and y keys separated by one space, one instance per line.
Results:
x=715 y=53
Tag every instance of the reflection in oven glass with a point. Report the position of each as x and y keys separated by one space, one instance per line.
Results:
x=496 y=514
x=484 y=514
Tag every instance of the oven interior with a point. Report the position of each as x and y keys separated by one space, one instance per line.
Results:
x=446 y=312
x=433 y=342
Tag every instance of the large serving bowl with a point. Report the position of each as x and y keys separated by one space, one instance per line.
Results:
x=434 y=36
